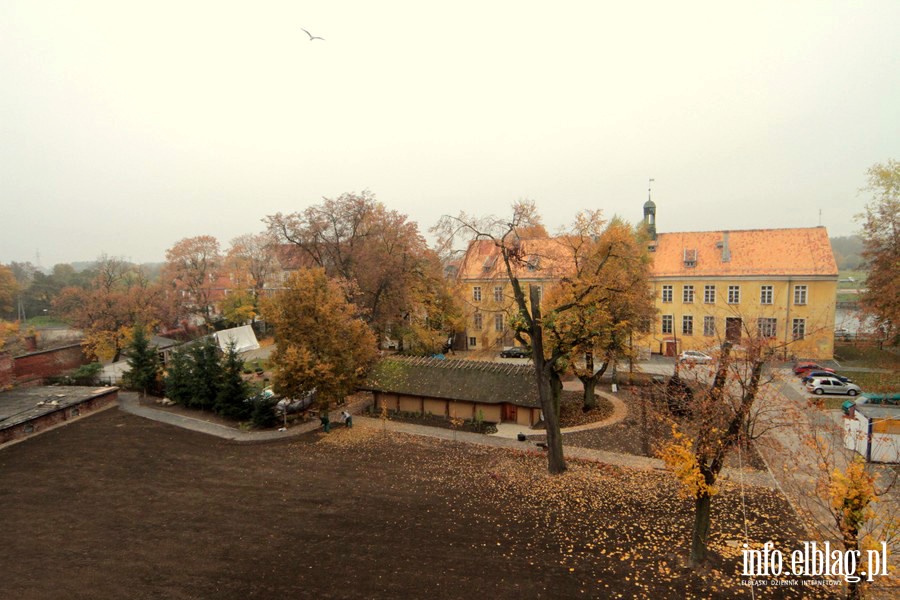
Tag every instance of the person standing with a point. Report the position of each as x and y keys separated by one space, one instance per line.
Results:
x=347 y=418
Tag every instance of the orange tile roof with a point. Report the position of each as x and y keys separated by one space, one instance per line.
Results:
x=549 y=255
x=798 y=251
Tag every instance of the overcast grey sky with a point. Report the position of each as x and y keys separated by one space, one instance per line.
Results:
x=127 y=126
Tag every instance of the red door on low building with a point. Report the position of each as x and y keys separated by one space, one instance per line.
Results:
x=509 y=413
x=671 y=347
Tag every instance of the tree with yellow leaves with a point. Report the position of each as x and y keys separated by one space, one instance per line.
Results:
x=9 y=288
x=849 y=501
x=608 y=296
x=322 y=345
x=716 y=421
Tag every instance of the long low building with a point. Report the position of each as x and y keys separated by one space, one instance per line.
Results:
x=28 y=411
x=465 y=389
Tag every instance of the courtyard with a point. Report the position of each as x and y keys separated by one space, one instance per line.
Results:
x=116 y=506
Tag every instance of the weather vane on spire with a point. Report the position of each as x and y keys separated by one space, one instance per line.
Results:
x=649 y=186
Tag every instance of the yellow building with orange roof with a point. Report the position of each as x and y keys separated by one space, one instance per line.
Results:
x=776 y=284
x=487 y=295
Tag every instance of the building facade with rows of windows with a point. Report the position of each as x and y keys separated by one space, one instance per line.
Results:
x=486 y=293
x=775 y=284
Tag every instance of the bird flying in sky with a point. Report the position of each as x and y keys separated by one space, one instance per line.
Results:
x=312 y=37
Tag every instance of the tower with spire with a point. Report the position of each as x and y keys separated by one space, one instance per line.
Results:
x=650 y=213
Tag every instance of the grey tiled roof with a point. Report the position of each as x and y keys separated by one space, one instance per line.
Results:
x=468 y=380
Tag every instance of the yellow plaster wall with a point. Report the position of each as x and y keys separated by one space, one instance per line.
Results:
x=818 y=312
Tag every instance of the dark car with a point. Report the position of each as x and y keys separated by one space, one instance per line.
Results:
x=818 y=373
x=515 y=352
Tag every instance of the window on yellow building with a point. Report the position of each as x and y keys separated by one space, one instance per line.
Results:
x=472 y=341
x=498 y=323
x=667 y=293
x=667 y=323
x=476 y=293
x=687 y=294
x=498 y=293
x=709 y=326
x=799 y=329
x=765 y=294
x=799 y=294
x=477 y=318
x=709 y=294
x=734 y=294
x=766 y=327
x=687 y=325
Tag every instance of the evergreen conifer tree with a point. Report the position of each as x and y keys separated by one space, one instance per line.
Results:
x=179 y=375
x=233 y=390
x=143 y=362
x=206 y=373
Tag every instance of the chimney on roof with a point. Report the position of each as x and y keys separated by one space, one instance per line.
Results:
x=726 y=251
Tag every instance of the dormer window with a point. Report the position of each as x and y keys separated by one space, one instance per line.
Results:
x=534 y=263
x=690 y=257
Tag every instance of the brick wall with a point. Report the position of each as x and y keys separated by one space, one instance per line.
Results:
x=7 y=370
x=47 y=363
x=67 y=413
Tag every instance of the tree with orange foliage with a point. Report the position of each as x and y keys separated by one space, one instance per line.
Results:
x=575 y=313
x=119 y=296
x=881 y=248
x=192 y=266
x=251 y=260
x=356 y=238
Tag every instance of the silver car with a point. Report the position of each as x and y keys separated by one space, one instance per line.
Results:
x=832 y=385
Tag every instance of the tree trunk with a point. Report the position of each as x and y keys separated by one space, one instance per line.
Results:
x=590 y=399
x=549 y=386
x=590 y=380
x=701 y=529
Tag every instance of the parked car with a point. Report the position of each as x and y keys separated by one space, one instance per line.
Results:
x=817 y=373
x=804 y=372
x=830 y=385
x=515 y=352
x=694 y=356
x=805 y=366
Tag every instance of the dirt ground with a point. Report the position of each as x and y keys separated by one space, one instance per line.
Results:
x=115 y=506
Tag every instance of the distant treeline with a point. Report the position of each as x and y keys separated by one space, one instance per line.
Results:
x=848 y=252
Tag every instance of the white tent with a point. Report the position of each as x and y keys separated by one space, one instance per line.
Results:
x=242 y=337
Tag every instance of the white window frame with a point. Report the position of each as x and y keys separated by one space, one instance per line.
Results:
x=687 y=325
x=766 y=327
x=499 y=322
x=667 y=293
x=478 y=321
x=476 y=293
x=687 y=294
x=766 y=294
x=668 y=324
x=734 y=294
x=709 y=326
x=798 y=329
x=498 y=293
x=801 y=293
x=709 y=294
